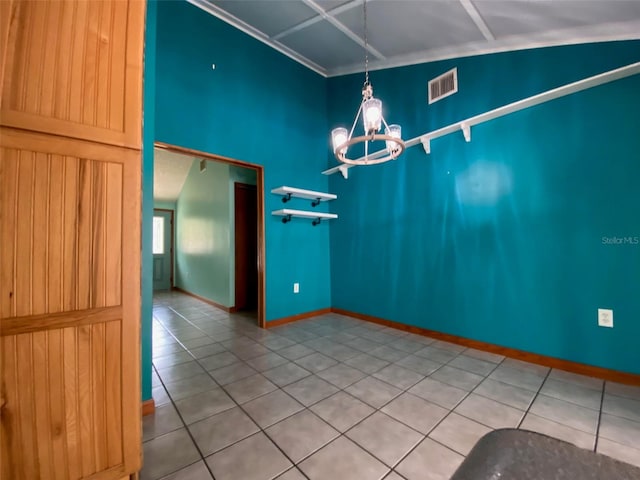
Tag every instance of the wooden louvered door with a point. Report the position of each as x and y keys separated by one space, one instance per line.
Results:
x=70 y=193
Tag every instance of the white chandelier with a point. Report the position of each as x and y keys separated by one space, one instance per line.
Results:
x=371 y=111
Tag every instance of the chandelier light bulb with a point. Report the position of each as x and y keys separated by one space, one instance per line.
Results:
x=338 y=137
x=394 y=131
x=372 y=115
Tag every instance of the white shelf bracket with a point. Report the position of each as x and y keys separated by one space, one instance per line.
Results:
x=466 y=131
x=426 y=144
x=344 y=170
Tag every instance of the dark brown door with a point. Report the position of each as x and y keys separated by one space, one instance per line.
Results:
x=246 y=246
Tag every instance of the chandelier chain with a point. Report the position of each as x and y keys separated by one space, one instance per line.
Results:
x=366 y=46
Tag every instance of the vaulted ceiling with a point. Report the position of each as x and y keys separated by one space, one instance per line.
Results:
x=328 y=35
x=170 y=172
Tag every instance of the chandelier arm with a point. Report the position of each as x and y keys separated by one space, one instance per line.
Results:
x=355 y=120
x=366 y=150
x=384 y=122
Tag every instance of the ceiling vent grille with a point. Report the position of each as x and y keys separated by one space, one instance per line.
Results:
x=443 y=85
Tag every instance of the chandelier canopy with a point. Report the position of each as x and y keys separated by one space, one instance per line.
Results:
x=371 y=111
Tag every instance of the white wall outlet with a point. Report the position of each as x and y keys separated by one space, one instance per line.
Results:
x=296 y=288
x=605 y=317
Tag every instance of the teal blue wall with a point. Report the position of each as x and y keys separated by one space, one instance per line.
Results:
x=500 y=239
x=205 y=240
x=203 y=236
x=242 y=175
x=257 y=106
x=147 y=196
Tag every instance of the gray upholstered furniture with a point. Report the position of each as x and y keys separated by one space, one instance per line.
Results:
x=510 y=454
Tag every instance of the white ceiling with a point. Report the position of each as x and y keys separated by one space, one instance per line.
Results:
x=328 y=35
x=170 y=172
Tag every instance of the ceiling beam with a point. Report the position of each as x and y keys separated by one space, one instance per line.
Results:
x=343 y=28
x=472 y=11
x=317 y=18
x=257 y=34
x=606 y=32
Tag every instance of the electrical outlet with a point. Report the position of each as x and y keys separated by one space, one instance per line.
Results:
x=296 y=288
x=605 y=317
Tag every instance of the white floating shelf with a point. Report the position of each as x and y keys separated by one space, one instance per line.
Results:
x=316 y=197
x=465 y=125
x=304 y=213
x=289 y=213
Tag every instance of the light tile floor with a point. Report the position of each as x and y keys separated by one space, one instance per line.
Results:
x=333 y=397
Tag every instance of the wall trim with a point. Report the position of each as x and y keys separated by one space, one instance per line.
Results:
x=206 y=300
x=148 y=407
x=295 y=318
x=552 y=362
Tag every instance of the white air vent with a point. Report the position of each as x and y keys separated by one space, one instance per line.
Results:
x=443 y=86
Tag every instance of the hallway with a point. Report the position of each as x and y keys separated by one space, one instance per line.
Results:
x=240 y=402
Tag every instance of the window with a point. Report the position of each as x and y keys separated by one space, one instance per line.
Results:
x=158 y=235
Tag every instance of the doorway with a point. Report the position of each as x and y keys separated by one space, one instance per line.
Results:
x=246 y=246
x=246 y=189
x=162 y=249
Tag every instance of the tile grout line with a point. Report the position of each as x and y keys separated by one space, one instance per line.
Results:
x=595 y=445
x=452 y=409
x=341 y=434
x=534 y=399
x=425 y=436
x=406 y=390
x=195 y=444
x=375 y=410
x=186 y=427
x=238 y=405
x=329 y=333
